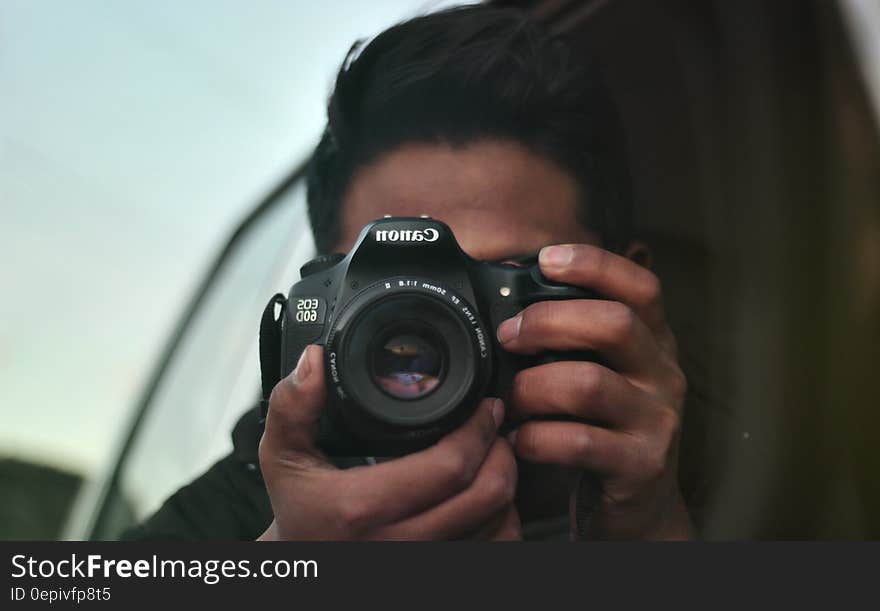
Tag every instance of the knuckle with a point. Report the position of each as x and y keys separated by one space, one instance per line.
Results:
x=623 y=496
x=498 y=487
x=652 y=289
x=581 y=444
x=264 y=454
x=678 y=383
x=667 y=338
x=669 y=425
x=655 y=466
x=500 y=479
x=457 y=469
x=280 y=395
x=651 y=462
x=353 y=514
x=621 y=320
x=590 y=379
x=508 y=467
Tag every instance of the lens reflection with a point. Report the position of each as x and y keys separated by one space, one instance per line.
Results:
x=407 y=366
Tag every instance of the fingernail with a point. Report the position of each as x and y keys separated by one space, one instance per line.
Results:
x=497 y=411
x=303 y=366
x=556 y=256
x=511 y=437
x=509 y=329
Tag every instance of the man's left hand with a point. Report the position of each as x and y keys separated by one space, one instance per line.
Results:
x=623 y=419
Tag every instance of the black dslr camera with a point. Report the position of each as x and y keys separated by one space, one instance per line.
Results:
x=408 y=322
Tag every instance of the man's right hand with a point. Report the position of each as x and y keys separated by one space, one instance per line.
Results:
x=463 y=486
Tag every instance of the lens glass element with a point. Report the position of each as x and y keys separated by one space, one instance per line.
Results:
x=407 y=364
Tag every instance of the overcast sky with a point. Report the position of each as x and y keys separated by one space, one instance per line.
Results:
x=133 y=137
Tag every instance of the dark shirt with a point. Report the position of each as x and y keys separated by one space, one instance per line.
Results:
x=228 y=501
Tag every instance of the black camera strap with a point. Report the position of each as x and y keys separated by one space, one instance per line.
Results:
x=270 y=350
x=584 y=501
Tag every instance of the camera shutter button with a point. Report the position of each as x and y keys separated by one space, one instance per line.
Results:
x=320 y=264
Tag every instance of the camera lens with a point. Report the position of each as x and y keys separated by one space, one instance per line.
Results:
x=407 y=363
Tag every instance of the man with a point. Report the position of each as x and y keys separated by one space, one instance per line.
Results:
x=475 y=117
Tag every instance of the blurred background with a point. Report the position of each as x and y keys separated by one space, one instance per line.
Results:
x=152 y=201
x=133 y=139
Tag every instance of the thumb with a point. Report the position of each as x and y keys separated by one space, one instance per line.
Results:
x=294 y=410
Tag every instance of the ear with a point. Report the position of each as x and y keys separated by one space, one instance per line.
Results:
x=639 y=252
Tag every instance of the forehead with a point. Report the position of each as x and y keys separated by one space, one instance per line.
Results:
x=499 y=198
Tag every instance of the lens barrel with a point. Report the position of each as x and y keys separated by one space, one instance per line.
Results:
x=406 y=355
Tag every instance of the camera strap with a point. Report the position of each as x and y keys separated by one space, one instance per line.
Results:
x=584 y=501
x=270 y=350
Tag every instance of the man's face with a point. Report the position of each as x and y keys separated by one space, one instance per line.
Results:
x=500 y=199
x=502 y=202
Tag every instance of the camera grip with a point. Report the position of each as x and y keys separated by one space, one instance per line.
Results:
x=533 y=288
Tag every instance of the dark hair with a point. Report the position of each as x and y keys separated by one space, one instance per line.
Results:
x=462 y=75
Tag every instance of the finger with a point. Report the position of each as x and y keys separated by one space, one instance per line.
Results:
x=577 y=445
x=400 y=488
x=503 y=526
x=491 y=491
x=578 y=389
x=510 y=528
x=613 y=276
x=295 y=408
x=608 y=327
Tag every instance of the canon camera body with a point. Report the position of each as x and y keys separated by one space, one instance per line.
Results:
x=408 y=321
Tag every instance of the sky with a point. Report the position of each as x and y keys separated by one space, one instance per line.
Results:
x=134 y=136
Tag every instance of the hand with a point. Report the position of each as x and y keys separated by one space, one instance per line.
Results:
x=624 y=419
x=462 y=486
